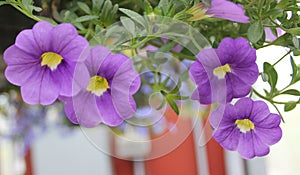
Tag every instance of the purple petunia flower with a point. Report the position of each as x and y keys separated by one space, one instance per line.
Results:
x=106 y=90
x=42 y=61
x=224 y=73
x=219 y=9
x=248 y=127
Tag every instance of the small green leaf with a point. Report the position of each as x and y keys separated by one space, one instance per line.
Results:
x=255 y=31
x=97 y=4
x=148 y=7
x=273 y=12
x=295 y=31
x=86 y=18
x=296 y=52
x=296 y=72
x=292 y=92
x=272 y=75
x=128 y=24
x=84 y=7
x=172 y=104
x=134 y=16
x=164 y=6
x=3 y=3
x=290 y=106
x=295 y=42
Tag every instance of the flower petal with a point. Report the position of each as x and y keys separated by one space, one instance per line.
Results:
x=26 y=42
x=42 y=35
x=246 y=147
x=244 y=108
x=63 y=35
x=15 y=56
x=227 y=10
x=260 y=148
x=69 y=110
x=86 y=109
x=120 y=88
x=269 y=136
x=42 y=88
x=228 y=138
x=96 y=58
x=107 y=110
x=20 y=74
x=271 y=121
x=75 y=50
x=114 y=63
x=260 y=111
x=248 y=75
x=238 y=87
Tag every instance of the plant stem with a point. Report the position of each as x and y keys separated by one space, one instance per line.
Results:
x=282 y=58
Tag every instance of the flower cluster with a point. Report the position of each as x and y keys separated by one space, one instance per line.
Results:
x=51 y=63
x=100 y=85
x=229 y=72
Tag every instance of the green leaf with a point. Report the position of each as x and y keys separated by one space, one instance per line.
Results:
x=134 y=16
x=164 y=6
x=292 y=92
x=284 y=40
x=295 y=42
x=255 y=31
x=273 y=12
x=97 y=4
x=295 y=31
x=290 y=106
x=172 y=104
x=3 y=3
x=148 y=7
x=84 y=7
x=128 y=24
x=296 y=72
x=86 y=18
x=272 y=75
x=296 y=52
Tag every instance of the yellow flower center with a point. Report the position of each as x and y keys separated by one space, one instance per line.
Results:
x=198 y=11
x=51 y=59
x=244 y=125
x=221 y=71
x=98 y=85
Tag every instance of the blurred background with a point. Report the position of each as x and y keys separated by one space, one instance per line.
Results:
x=36 y=140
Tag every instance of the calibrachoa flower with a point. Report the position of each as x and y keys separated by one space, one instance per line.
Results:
x=42 y=61
x=106 y=90
x=233 y=62
x=218 y=9
x=248 y=127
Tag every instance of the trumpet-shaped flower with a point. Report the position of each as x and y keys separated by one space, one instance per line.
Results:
x=219 y=9
x=248 y=127
x=42 y=61
x=107 y=88
x=224 y=73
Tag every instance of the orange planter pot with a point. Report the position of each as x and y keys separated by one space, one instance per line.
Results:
x=181 y=160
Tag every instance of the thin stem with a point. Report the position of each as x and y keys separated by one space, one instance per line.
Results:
x=25 y=12
x=282 y=58
x=276 y=24
x=278 y=112
x=145 y=40
x=270 y=100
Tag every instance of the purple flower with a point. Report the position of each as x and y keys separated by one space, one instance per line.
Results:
x=248 y=127
x=219 y=9
x=42 y=61
x=106 y=90
x=224 y=73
